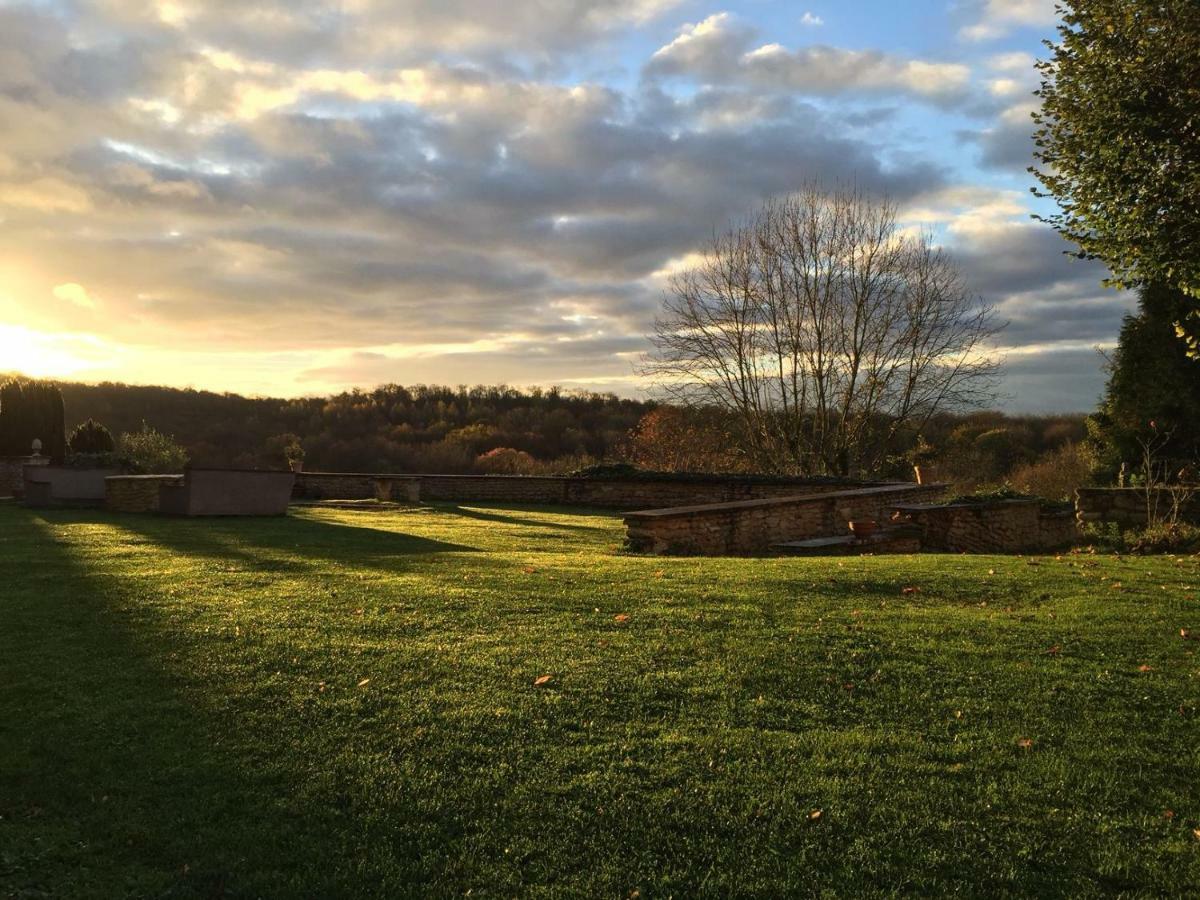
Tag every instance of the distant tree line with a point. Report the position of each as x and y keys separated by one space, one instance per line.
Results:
x=391 y=428
x=502 y=430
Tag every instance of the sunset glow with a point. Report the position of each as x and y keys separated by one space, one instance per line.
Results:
x=422 y=195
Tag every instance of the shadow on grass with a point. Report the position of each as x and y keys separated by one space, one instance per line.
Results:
x=261 y=542
x=112 y=781
x=502 y=515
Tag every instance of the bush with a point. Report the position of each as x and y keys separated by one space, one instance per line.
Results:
x=91 y=438
x=149 y=452
x=991 y=495
x=1057 y=475
x=1177 y=538
x=506 y=461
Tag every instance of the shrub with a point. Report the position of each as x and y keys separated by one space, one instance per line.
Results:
x=1177 y=538
x=1057 y=475
x=668 y=439
x=991 y=495
x=506 y=461
x=91 y=438
x=149 y=452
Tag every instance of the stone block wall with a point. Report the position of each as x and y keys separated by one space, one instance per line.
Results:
x=136 y=493
x=619 y=494
x=356 y=486
x=1003 y=526
x=750 y=527
x=12 y=473
x=1127 y=507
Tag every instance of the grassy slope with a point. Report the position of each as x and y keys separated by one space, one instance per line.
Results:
x=182 y=712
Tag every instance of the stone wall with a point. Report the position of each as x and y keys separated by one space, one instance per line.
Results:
x=616 y=493
x=12 y=473
x=355 y=486
x=1126 y=507
x=751 y=527
x=136 y=493
x=1002 y=526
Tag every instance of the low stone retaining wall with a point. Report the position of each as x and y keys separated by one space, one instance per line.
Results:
x=1002 y=526
x=355 y=486
x=751 y=527
x=1126 y=507
x=65 y=486
x=602 y=493
x=136 y=493
x=12 y=473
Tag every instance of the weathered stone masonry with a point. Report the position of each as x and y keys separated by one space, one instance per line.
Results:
x=614 y=493
x=12 y=473
x=136 y=493
x=1002 y=526
x=753 y=526
x=1127 y=507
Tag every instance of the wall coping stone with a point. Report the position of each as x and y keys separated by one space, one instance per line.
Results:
x=894 y=487
x=968 y=504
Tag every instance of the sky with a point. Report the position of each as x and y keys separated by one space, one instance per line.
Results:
x=296 y=197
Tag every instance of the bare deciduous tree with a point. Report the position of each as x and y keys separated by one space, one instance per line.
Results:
x=825 y=330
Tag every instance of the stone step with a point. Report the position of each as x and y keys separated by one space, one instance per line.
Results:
x=895 y=539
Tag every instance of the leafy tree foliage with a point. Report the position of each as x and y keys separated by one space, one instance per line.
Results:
x=1153 y=389
x=1118 y=137
x=29 y=411
x=91 y=438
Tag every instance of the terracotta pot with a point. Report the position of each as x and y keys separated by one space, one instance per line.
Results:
x=863 y=528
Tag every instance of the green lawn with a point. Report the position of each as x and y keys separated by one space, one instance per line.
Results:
x=343 y=703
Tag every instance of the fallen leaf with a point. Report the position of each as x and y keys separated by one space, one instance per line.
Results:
x=1025 y=743
x=364 y=682
x=1168 y=813
x=1145 y=668
x=541 y=679
x=815 y=815
x=528 y=570
x=910 y=590
x=991 y=571
x=1054 y=651
x=621 y=618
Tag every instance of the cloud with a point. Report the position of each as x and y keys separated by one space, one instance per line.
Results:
x=995 y=18
x=311 y=194
x=811 y=21
x=74 y=294
x=722 y=50
x=381 y=32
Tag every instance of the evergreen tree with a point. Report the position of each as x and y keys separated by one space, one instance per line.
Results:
x=1153 y=389
x=29 y=411
x=91 y=438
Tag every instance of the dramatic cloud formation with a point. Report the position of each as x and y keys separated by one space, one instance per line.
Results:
x=302 y=196
x=723 y=50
